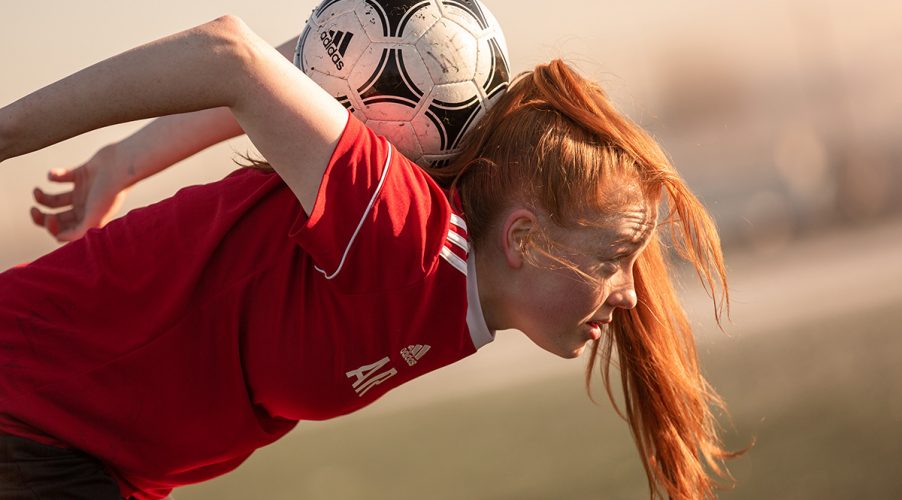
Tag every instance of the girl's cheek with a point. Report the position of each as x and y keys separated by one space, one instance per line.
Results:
x=599 y=294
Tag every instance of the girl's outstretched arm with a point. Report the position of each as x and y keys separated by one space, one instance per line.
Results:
x=170 y=139
x=98 y=186
x=290 y=119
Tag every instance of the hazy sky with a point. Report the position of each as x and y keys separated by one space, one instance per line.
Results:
x=622 y=44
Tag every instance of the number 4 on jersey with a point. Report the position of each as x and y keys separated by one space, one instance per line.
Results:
x=367 y=376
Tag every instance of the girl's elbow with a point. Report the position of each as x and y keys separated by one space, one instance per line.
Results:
x=228 y=27
x=230 y=38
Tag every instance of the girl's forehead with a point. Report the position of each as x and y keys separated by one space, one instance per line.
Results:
x=627 y=228
x=635 y=224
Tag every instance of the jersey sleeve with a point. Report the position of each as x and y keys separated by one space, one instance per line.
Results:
x=378 y=222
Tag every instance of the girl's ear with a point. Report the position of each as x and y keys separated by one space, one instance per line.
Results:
x=517 y=230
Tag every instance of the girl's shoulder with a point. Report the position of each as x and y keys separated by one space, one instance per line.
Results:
x=379 y=219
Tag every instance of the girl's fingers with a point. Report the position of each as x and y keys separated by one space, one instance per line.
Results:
x=53 y=200
x=47 y=221
x=61 y=175
x=54 y=223
x=37 y=216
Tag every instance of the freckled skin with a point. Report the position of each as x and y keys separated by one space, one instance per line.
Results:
x=554 y=302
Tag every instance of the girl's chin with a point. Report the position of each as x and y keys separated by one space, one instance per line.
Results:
x=573 y=354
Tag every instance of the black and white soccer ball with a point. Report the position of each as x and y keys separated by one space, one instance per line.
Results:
x=419 y=72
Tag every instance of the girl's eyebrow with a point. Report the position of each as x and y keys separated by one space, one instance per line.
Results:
x=626 y=252
x=629 y=244
x=618 y=249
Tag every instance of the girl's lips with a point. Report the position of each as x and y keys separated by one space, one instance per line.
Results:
x=595 y=329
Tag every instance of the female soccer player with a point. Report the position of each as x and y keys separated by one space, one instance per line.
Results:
x=165 y=348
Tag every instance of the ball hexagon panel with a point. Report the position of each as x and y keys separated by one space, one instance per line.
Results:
x=337 y=87
x=449 y=112
x=449 y=51
x=401 y=21
x=391 y=81
x=334 y=46
x=419 y=22
x=401 y=135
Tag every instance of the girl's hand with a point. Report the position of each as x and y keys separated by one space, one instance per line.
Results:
x=98 y=190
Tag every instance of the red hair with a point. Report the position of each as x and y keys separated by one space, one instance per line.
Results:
x=556 y=141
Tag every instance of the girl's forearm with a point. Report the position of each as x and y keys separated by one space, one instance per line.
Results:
x=170 y=139
x=176 y=74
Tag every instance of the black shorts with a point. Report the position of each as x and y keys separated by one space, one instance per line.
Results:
x=34 y=471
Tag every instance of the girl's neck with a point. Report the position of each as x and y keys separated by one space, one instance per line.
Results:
x=490 y=294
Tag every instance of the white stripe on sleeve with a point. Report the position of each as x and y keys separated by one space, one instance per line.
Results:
x=362 y=218
x=454 y=260
x=458 y=221
x=458 y=240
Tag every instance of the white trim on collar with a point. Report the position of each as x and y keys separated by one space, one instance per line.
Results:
x=479 y=331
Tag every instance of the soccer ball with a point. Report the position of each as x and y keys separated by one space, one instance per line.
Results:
x=419 y=72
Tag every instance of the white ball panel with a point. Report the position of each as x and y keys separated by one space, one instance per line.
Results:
x=387 y=110
x=420 y=22
x=449 y=52
x=483 y=65
x=335 y=45
x=336 y=87
x=454 y=12
x=372 y=21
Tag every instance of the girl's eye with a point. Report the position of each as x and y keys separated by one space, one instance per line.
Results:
x=607 y=268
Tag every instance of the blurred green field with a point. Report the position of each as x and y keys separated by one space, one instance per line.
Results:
x=823 y=402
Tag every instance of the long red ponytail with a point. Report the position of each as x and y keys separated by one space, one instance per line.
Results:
x=554 y=138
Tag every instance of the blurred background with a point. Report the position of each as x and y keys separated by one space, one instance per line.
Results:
x=784 y=116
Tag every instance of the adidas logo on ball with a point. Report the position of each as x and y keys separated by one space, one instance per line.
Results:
x=336 y=44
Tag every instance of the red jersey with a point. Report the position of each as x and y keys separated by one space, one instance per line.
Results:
x=180 y=338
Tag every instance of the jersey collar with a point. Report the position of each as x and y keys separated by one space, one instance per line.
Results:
x=479 y=331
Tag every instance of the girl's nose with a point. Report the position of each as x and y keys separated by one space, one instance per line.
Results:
x=624 y=298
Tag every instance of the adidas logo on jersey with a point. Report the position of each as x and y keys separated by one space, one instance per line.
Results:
x=414 y=353
x=336 y=44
